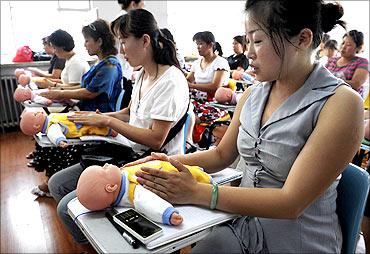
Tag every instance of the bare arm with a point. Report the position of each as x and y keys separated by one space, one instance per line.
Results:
x=153 y=137
x=359 y=78
x=218 y=77
x=78 y=94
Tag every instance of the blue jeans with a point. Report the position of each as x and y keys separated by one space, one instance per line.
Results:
x=62 y=186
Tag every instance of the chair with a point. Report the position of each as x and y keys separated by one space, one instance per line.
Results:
x=352 y=189
x=186 y=126
x=119 y=100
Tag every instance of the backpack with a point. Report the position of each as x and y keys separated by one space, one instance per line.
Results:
x=23 y=54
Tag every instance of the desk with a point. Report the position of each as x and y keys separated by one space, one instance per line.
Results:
x=106 y=239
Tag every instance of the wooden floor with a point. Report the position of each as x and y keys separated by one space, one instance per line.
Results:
x=28 y=224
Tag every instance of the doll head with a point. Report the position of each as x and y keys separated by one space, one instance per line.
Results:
x=32 y=122
x=18 y=72
x=98 y=187
x=223 y=95
x=24 y=79
x=22 y=94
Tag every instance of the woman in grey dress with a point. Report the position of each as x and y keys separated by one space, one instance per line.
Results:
x=296 y=131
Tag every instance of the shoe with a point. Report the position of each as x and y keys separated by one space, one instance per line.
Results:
x=31 y=164
x=36 y=191
x=31 y=155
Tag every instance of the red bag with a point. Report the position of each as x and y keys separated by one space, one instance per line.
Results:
x=24 y=54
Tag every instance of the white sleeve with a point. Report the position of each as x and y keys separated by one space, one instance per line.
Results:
x=76 y=70
x=151 y=205
x=171 y=98
x=221 y=64
x=55 y=134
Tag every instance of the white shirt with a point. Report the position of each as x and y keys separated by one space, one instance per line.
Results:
x=205 y=76
x=73 y=70
x=167 y=100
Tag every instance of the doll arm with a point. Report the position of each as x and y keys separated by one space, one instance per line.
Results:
x=55 y=134
x=41 y=100
x=153 y=206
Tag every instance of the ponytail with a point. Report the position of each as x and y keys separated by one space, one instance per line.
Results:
x=164 y=50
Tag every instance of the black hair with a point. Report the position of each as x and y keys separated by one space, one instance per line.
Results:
x=205 y=36
x=126 y=3
x=241 y=40
x=208 y=38
x=100 y=29
x=45 y=40
x=357 y=37
x=331 y=44
x=168 y=34
x=282 y=20
x=325 y=37
x=139 y=22
x=218 y=48
x=62 y=39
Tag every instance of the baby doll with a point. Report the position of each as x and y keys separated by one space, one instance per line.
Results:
x=22 y=94
x=225 y=95
x=101 y=187
x=58 y=128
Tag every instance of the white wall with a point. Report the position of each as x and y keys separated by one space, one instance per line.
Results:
x=109 y=10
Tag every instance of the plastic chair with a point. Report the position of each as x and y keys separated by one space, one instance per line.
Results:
x=352 y=189
x=186 y=126
x=119 y=100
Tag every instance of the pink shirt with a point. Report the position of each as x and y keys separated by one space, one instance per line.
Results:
x=346 y=72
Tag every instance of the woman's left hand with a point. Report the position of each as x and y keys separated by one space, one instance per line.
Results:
x=175 y=187
x=92 y=118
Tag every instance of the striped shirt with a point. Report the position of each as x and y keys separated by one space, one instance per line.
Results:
x=346 y=72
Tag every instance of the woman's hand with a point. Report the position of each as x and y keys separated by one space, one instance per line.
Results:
x=175 y=187
x=35 y=71
x=53 y=94
x=151 y=157
x=90 y=118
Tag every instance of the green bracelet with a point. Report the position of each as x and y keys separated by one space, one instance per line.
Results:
x=214 y=196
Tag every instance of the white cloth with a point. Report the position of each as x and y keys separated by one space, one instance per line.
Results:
x=73 y=70
x=166 y=100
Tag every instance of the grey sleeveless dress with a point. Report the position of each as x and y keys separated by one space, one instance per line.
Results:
x=269 y=151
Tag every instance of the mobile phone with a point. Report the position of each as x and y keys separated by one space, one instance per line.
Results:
x=138 y=225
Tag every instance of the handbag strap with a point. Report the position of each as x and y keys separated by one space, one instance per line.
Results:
x=171 y=134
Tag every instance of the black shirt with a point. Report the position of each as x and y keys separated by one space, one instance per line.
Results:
x=56 y=63
x=236 y=61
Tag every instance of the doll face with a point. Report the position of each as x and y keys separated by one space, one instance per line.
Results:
x=32 y=122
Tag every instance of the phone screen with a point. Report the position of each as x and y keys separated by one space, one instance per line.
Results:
x=138 y=223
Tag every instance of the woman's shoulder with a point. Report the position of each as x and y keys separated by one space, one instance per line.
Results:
x=361 y=60
x=221 y=63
